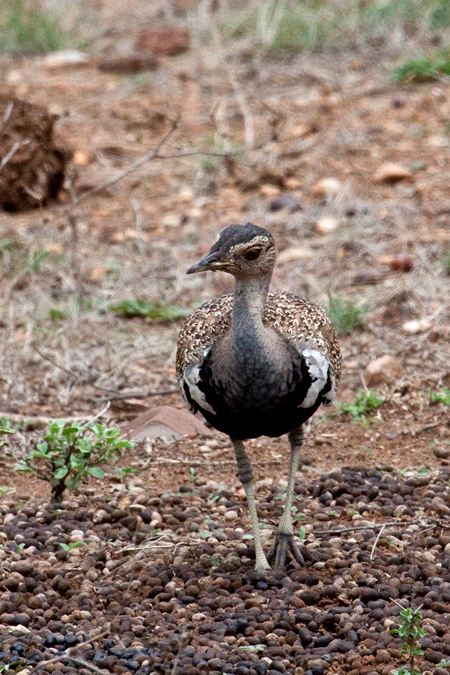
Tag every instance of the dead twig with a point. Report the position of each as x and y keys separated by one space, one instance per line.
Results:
x=54 y=363
x=375 y=526
x=98 y=415
x=42 y=421
x=37 y=421
x=12 y=152
x=67 y=653
x=376 y=541
x=89 y=666
x=138 y=393
x=130 y=169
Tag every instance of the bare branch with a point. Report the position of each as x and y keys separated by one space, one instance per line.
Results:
x=139 y=162
x=54 y=363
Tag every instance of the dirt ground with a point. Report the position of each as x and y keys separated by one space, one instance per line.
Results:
x=339 y=115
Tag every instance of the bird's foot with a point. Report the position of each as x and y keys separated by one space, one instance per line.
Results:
x=283 y=544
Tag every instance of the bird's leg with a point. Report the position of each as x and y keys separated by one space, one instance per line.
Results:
x=284 y=538
x=245 y=474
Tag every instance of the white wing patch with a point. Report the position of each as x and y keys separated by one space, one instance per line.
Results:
x=318 y=365
x=191 y=378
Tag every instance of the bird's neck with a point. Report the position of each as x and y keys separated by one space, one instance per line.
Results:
x=248 y=305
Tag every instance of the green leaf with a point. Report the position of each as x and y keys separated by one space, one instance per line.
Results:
x=22 y=466
x=73 y=482
x=61 y=473
x=69 y=431
x=95 y=471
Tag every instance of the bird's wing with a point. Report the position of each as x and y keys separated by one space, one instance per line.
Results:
x=203 y=327
x=308 y=327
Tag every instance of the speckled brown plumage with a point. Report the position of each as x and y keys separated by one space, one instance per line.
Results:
x=302 y=322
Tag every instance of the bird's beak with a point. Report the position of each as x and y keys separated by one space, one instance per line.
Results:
x=209 y=262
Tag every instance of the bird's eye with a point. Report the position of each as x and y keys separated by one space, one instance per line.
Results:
x=252 y=254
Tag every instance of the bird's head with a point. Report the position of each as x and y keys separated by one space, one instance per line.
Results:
x=244 y=251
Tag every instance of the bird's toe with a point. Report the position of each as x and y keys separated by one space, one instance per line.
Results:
x=282 y=545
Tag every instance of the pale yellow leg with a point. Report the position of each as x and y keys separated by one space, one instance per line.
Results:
x=284 y=537
x=245 y=473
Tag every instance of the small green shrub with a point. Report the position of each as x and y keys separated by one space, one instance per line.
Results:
x=346 y=315
x=155 y=311
x=411 y=632
x=364 y=403
x=442 y=396
x=70 y=453
x=29 y=29
x=5 y=430
x=126 y=471
x=427 y=67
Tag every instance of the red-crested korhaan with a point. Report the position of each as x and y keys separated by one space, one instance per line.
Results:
x=255 y=363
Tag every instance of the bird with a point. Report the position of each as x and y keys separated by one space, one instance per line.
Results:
x=255 y=363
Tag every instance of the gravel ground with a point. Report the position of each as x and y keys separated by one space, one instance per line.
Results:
x=165 y=584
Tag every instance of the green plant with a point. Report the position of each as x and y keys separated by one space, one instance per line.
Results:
x=71 y=546
x=70 y=453
x=346 y=314
x=365 y=402
x=427 y=67
x=442 y=396
x=125 y=471
x=155 y=311
x=193 y=473
x=411 y=632
x=409 y=471
x=9 y=666
x=6 y=490
x=5 y=430
x=27 y=28
x=214 y=561
x=55 y=314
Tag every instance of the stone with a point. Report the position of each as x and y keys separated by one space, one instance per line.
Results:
x=82 y=157
x=165 y=422
x=67 y=58
x=137 y=62
x=441 y=452
x=382 y=656
x=391 y=173
x=385 y=369
x=416 y=326
x=269 y=190
x=326 y=224
x=164 y=40
x=287 y=202
x=326 y=188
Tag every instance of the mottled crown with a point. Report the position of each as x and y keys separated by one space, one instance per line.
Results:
x=233 y=235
